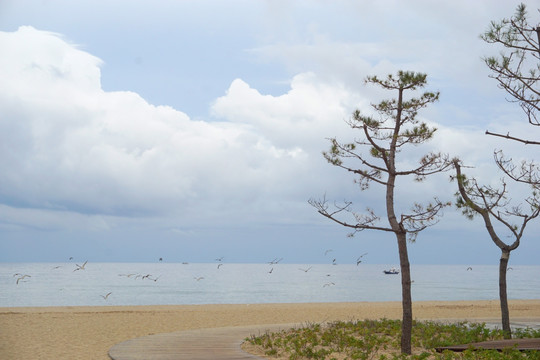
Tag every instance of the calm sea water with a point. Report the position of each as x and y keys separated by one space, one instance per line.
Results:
x=177 y=284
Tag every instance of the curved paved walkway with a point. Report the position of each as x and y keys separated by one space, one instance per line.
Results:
x=203 y=344
x=211 y=344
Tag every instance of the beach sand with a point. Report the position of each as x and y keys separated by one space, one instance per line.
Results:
x=89 y=332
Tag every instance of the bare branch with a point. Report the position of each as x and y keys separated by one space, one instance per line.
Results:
x=363 y=221
x=507 y=136
x=422 y=217
x=527 y=172
x=430 y=164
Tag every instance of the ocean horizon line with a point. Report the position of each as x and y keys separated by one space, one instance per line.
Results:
x=396 y=264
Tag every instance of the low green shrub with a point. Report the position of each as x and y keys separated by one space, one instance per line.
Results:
x=380 y=340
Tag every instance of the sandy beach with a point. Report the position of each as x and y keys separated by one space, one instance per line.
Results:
x=89 y=332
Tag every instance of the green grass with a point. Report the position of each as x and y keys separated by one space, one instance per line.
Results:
x=380 y=340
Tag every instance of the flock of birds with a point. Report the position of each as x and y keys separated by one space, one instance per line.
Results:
x=20 y=278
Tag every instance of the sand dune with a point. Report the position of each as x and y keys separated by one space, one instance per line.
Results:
x=88 y=332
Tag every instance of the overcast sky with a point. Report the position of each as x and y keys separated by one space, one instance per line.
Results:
x=191 y=130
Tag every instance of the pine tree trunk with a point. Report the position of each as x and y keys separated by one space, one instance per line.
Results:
x=406 y=298
x=505 y=314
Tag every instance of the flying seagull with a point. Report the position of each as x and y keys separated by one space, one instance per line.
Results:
x=306 y=270
x=198 y=278
x=22 y=277
x=220 y=259
x=80 y=267
x=469 y=268
x=126 y=275
x=275 y=261
x=105 y=296
x=328 y=284
x=327 y=251
x=359 y=260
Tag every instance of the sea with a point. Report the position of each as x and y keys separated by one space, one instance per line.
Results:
x=118 y=284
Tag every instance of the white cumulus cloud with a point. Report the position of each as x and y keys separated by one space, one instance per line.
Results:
x=68 y=145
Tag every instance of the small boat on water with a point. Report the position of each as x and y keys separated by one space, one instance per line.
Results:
x=392 y=271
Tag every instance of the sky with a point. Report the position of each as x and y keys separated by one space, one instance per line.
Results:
x=194 y=130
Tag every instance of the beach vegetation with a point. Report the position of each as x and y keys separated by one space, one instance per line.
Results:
x=373 y=159
x=378 y=340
